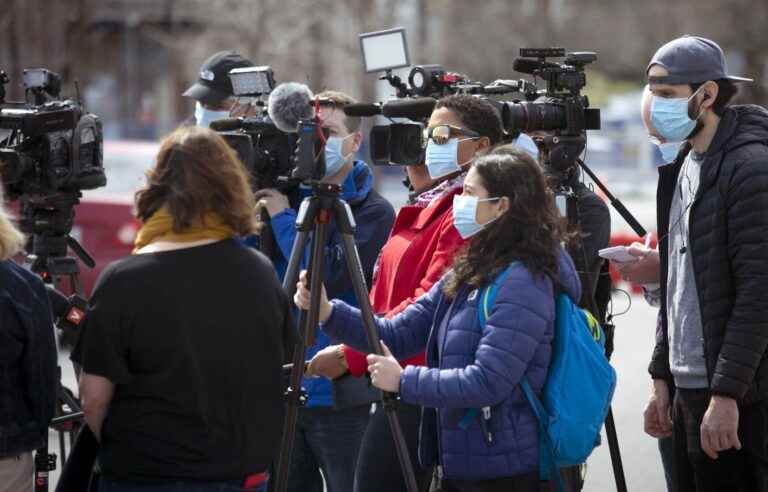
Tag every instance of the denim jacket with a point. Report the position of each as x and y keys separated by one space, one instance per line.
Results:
x=28 y=361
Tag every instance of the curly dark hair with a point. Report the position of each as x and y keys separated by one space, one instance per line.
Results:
x=530 y=231
x=476 y=114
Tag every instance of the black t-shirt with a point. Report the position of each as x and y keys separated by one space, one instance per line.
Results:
x=194 y=340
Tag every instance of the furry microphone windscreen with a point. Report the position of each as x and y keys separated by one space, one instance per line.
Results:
x=289 y=103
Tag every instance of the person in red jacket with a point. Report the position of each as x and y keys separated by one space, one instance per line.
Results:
x=421 y=246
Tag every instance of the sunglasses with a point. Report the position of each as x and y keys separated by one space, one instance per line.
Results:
x=442 y=133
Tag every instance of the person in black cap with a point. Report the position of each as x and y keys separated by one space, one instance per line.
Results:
x=213 y=93
x=711 y=270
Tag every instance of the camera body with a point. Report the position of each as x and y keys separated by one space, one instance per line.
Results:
x=266 y=151
x=282 y=150
x=560 y=109
x=53 y=145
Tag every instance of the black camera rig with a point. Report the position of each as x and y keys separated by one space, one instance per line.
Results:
x=558 y=114
x=52 y=152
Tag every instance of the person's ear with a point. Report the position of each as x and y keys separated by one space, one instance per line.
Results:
x=357 y=140
x=502 y=206
x=483 y=143
x=710 y=90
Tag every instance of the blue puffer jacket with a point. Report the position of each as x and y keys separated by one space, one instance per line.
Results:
x=469 y=369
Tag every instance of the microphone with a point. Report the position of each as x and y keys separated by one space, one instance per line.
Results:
x=362 y=109
x=413 y=109
x=68 y=311
x=289 y=103
x=226 y=124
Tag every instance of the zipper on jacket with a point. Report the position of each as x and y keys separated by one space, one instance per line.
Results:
x=485 y=422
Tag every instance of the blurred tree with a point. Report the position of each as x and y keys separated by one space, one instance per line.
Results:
x=153 y=48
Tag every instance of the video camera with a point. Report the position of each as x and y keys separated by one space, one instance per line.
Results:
x=54 y=146
x=52 y=152
x=559 y=109
x=280 y=145
x=264 y=150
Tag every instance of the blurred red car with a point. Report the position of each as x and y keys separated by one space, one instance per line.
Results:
x=104 y=221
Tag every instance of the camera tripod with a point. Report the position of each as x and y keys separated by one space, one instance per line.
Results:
x=49 y=220
x=315 y=214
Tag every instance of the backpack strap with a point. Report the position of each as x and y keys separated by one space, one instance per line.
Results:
x=542 y=417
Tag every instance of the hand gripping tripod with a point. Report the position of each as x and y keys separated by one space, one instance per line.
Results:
x=315 y=214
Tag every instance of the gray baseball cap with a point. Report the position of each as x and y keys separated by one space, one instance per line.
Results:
x=691 y=60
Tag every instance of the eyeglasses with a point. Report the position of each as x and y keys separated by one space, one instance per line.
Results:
x=442 y=133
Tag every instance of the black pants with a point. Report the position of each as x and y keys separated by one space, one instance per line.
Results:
x=744 y=470
x=519 y=483
x=378 y=469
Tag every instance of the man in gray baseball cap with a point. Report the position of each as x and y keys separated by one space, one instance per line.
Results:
x=710 y=272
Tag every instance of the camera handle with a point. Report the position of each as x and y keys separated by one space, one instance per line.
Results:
x=572 y=215
x=315 y=213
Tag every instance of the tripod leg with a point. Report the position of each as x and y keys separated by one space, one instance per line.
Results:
x=389 y=400
x=308 y=324
x=294 y=263
x=613 y=447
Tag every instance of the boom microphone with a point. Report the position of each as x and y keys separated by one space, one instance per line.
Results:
x=289 y=103
x=362 y=110
x=226 y=124
x=413 y=109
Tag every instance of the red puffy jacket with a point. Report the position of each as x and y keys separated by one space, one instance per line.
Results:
x=420 y=248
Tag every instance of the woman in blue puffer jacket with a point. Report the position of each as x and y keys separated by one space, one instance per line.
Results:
x=510 y=216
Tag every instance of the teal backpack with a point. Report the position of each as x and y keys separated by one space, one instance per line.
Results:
x=578 y=390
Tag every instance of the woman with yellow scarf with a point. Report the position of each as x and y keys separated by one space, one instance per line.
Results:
x=184 y=341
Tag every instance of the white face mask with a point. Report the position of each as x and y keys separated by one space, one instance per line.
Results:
x=204 y=116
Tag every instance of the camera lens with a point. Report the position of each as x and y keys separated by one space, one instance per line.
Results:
x=533 y=116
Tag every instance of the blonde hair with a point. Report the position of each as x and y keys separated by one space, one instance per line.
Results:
x=11 y=240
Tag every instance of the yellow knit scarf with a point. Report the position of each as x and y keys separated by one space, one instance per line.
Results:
x=160 y=227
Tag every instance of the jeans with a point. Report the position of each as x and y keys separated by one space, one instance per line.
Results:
x=744 y=470
x=327 y=440
x=106 y=485
x=667 y=452
x=378 y=469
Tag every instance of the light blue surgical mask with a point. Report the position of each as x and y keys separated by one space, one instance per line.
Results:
x=668 y=150
x=527 y=144
x=465 y=215
x=334 y=159
x=204 y=116
x=443 y=159
x=670 y=117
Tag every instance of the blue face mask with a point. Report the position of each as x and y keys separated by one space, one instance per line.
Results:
x=334 y=159
x=670 y=118
x=668 y=150
x=465 y=215
x=204 y=116
x=527 y=144
x=443 y=159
